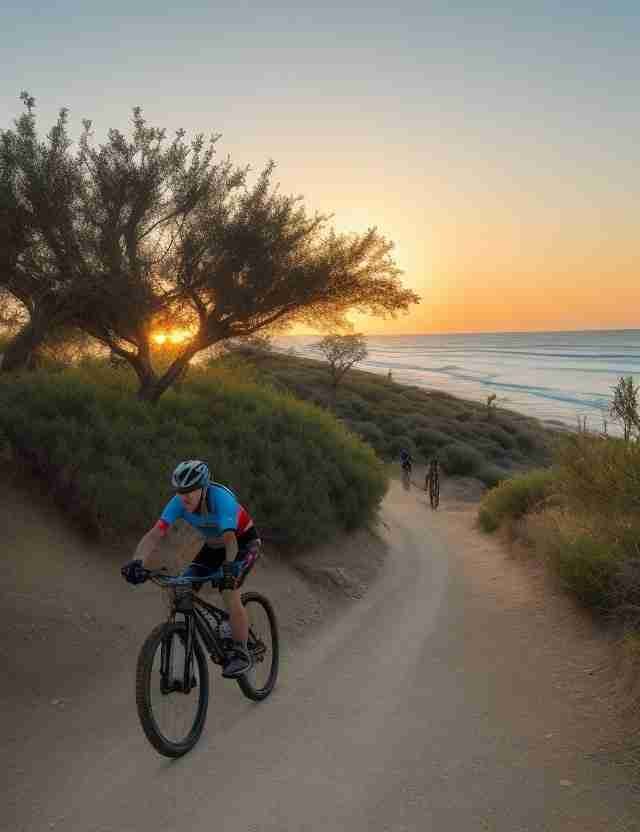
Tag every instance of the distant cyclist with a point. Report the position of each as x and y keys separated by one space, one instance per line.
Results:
x=432 y=482
x=230 y=535
x=405 y=460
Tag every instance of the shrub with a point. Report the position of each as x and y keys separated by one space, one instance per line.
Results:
x=501 y=436
x=432 y=438
x=428 y=442
x=515 y=497
x=624 y=589
x=600 y=472
x=109 y=456
x=527 y=440
x=460 y=458
x=587 y=567
x=491 y=475
x=370 y=432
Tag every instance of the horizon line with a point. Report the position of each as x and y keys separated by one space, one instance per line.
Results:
x=475 y=332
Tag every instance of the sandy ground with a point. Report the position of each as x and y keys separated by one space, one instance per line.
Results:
x=429 y=677
x=583 y=654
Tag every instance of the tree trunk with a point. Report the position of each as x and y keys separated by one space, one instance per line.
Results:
x=152 y=387
x=149 y=389
x=20 y=353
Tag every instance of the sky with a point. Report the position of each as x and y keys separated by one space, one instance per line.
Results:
x=495 y=144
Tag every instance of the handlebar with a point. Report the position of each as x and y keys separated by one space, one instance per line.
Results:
x=159 y=576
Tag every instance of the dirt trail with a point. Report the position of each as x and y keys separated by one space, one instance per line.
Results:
x=457 y=690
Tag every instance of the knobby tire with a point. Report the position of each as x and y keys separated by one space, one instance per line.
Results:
x=145 y=680
x=246 y=682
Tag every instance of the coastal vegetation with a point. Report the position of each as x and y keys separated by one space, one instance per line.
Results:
x=582 y=516
x=463 y=435
x=309 y=460
x=106 y=456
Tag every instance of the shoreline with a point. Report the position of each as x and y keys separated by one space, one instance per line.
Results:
x=540 y=387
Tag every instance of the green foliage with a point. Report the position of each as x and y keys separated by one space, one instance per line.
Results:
x=423 y=420
x=241 y=258
x=582 y=516
x=109 y=456
x=491 y=475
x=624 y=405
x=596 y=472
x=460 y=458
x=587 y=567
x=514 y=497
x=370 y=432
x=501 y=436
x=341 y=352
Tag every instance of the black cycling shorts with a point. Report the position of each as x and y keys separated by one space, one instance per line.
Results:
x=209 y=559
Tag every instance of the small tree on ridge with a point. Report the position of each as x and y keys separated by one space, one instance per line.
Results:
x=341 y=353
x=624 y=406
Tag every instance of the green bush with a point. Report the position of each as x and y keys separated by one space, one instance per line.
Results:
x=527 y=440
x=460 y=458
x=431 y=438
x=491 y=475
x=515 y=497
x=501 y=436
x=370 y=432
x=429 y=418
x=598 y=472
x=587 y=567
x=109 y=456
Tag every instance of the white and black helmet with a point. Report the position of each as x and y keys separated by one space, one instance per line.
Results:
x=189 y=475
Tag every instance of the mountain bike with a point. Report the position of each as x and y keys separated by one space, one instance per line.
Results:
x=172 y=677
x=432 y=485
x=406 y=473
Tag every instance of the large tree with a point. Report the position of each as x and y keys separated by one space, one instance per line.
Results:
x=39 y=183
x=152 y=233
x=83 y=234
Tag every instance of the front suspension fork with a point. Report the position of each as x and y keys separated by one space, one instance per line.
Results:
x=169 y=684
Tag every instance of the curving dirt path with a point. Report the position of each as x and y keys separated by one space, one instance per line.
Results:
x=457 y=692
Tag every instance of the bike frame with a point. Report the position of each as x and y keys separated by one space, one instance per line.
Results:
x=197 y=625
x=194 y=610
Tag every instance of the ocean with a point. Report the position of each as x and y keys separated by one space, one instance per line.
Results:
x=557 y=376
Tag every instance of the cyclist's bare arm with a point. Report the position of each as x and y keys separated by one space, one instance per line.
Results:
x=148 y=543
x=230 y=545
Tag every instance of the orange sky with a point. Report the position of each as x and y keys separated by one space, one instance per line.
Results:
x=496 y=145
x=494 y=276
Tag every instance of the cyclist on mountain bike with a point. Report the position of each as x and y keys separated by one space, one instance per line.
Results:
x=230 y=535
x=405 y=460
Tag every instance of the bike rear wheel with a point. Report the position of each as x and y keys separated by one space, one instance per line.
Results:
x=171 y=719
x=263 y=645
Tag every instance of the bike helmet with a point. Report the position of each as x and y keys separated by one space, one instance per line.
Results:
x=189 y=475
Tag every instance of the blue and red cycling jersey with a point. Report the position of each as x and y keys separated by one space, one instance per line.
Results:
x=221 y=513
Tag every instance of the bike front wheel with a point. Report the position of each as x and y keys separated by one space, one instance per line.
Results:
x=171 y=717
x=263 y=645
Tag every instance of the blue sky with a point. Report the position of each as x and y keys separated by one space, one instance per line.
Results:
x=497 y=146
